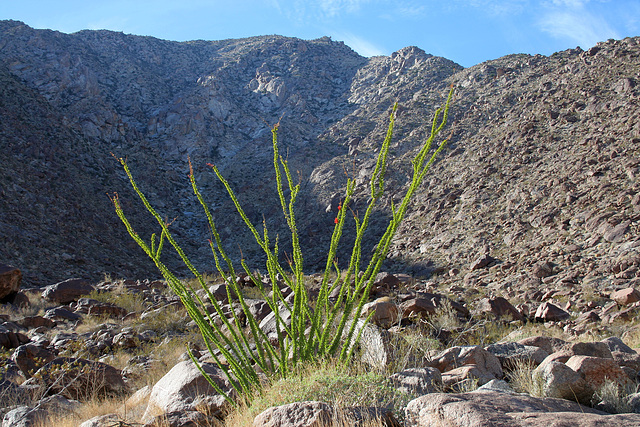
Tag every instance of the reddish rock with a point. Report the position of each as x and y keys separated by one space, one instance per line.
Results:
x=595 y=370
x=482 y=261
x=30 y=357
x=455 y=357
x=80 y=379
x=417 y=307
x=626 y=296
x=548 y=344
x=593 y=349
x=559 y=380
x=456 y=379
x=541 y=270
x=548 y=312
x=10 y=279
x=31 y=322
x=560 y=356
x=10 y=339
x=68 y=291
x=97 y=308
x=500 y=308
x=426 y=304
x=385 y=313
x=386 y=280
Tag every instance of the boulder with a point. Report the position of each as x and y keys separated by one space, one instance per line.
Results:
x=94 y=307
x=594 y=349
x=464 y=378
x=626 y=296
x=67 y=291
x=548 y=344
x=179 y=388
x=500 y=308
x=512 y=354
x=455 y=357
x=548 y=312
x=596 y=370
x=417 y=381
x=102 y=421
x=24 y=416
x=427 y=304
x=616 y=344
x=417 y=307
x=481 y=409
x=482 y=261
x=10 y=339
x=558 y=380
x=80 y=379
x=500 y=386
x=297 y=414
x=270 y=324
x=384 y=283
x=385 y=313
x=375 y=345
x=30 y=357
x=32 y=322
x=61 y=313
x=10 y=280
x=180 y=419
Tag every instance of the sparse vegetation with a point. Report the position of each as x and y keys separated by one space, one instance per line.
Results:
x=331 y=382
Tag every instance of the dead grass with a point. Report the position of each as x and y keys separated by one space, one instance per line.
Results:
x=523 y=380
x=339 y=386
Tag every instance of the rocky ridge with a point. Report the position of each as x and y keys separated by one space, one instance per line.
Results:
x=565 y=194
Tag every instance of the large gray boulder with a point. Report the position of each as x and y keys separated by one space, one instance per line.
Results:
x=297 y=414
x=24 y=416
x=179 y=389
x=417 y=381
x=481 y=409
x=319 y=414
x=558 y=380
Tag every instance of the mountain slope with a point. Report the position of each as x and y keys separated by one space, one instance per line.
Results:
x=541 y=167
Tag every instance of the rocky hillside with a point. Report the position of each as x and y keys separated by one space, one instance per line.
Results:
x=539 y=180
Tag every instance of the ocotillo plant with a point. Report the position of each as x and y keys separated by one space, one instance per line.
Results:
x=317 y=329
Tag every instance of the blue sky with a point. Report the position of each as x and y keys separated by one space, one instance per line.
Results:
x=465 y=31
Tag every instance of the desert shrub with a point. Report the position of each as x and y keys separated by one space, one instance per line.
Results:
x=523 y=380
x=324 y=331
x=613 y=397
x=122 y=297
x=328 y=381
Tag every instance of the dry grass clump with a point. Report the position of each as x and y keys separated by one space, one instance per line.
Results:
x=523 y=380
x=338 y=385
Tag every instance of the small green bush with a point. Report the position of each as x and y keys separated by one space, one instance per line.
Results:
x=318 y=329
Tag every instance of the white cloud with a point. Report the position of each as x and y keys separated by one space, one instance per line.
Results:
x=583 y=28
x=359 y=44
x=575 y=20
x=335 y=7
